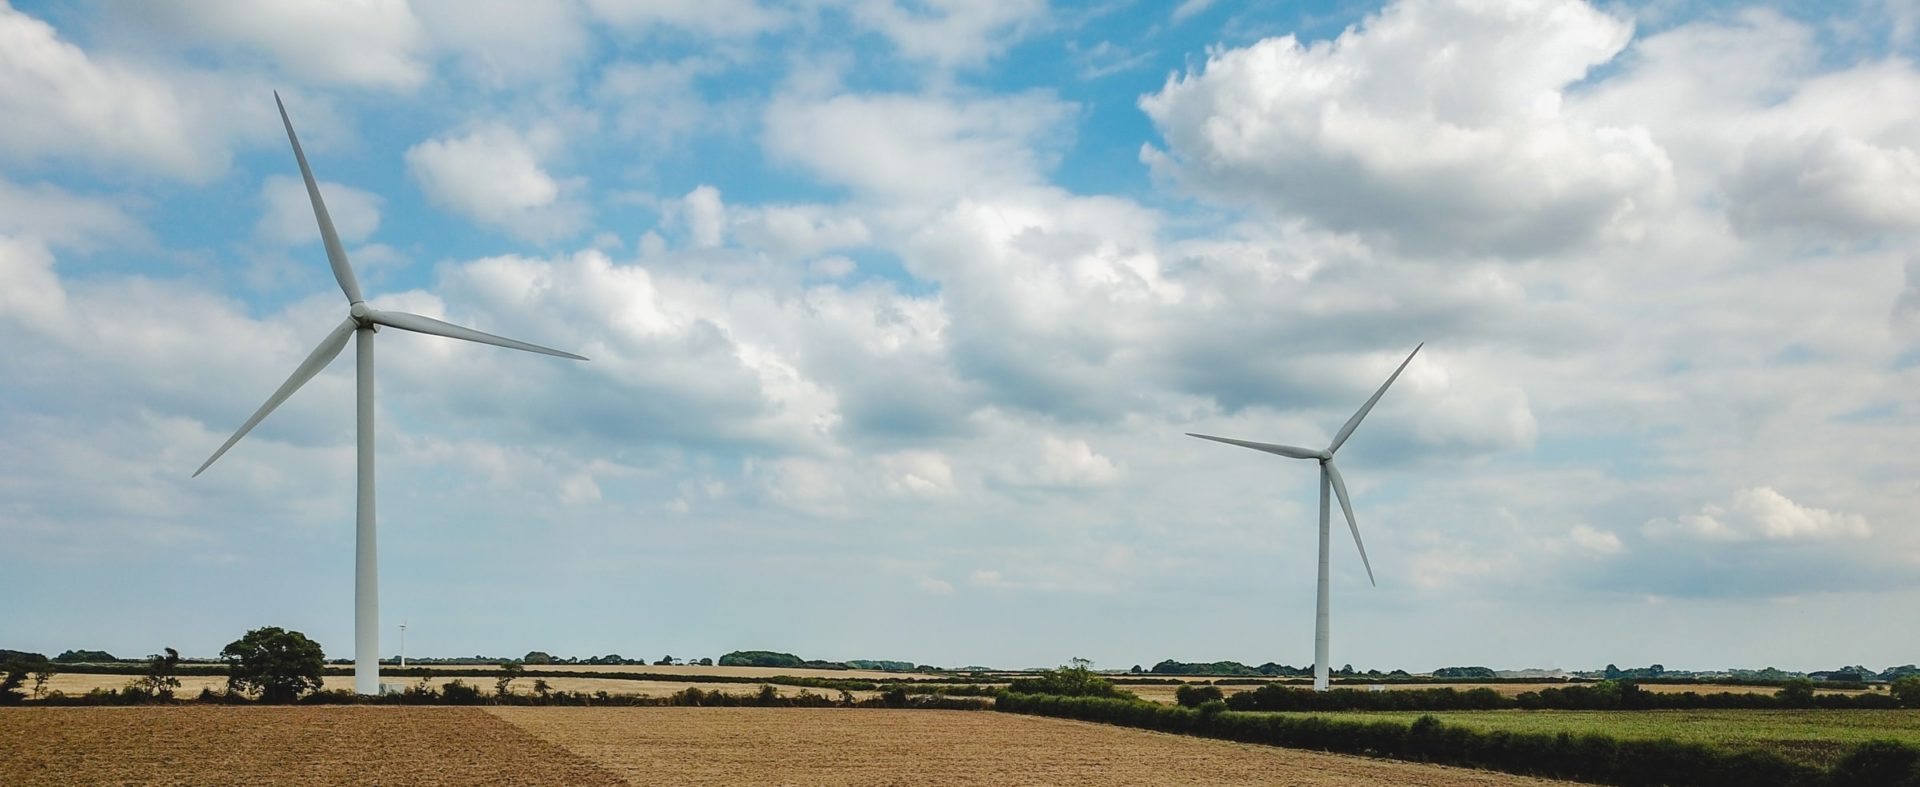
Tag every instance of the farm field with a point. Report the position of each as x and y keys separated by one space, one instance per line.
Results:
x=615 y=746
x=1815 y=736
x=190 y=685
x=743 y=673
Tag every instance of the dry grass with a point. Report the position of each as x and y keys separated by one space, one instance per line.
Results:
x=279 y=745
x=753 y=746
x=191 y=685
x=741 y=673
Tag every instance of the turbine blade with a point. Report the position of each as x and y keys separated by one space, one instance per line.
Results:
x=329 y=349
x=1354 y=422
x=1346 y=506
x=418 y=324
x=336 y=255
x=1295 y=452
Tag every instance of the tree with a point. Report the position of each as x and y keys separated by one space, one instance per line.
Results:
x=10 y=685
x=281 y=665
x=508 y=671
x=537 y=657
x=162 y=675
x=89 y=656
x=1907 y=691
x=541 y=688
x=41 y=674
x=664 y=661
x=706 y=662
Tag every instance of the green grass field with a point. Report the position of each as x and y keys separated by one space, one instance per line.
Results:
x=1815 y=736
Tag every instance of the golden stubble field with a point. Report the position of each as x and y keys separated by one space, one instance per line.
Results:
x=214 y=745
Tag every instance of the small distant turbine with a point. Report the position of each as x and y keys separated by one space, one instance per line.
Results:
x=361 y=323
x=1329 y=478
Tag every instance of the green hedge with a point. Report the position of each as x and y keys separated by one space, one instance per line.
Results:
x=1589 y=758
x=1605 y=695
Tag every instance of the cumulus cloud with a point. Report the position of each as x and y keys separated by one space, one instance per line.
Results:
x=370 y=44
x=950 y=33
x=289 y=214
x=1061 y=464
x=1759 y=513
x=722 y=18
x=912 y=145
x=494 y=176
x=63 y=103
x=506 y=42
x=1433 y=125
x=61 y=218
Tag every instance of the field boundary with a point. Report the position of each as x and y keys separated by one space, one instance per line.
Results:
x=1592 y=758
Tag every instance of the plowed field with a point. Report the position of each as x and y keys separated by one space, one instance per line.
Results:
x=211 y=745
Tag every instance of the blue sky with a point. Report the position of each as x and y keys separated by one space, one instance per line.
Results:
x=898 y=313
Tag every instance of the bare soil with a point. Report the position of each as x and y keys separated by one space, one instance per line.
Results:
x=215 y=745
x=763 y=746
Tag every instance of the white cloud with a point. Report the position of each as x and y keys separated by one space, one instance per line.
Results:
x=910 y=145
x=1061 y=464
x=62 y=103
x=723 y=18
x=493 y=175
x=506 y=42
x=289 y=215
x=1599 y=542
x=1188 y=8
x=372 y=43
x=61 y=218
x=1760 y=513
x=950 y=33
x=1434 y=125
x=659 y=102
x=705 y=216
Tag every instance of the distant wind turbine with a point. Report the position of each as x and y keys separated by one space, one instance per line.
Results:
x=1329 y=478
x=361 y=323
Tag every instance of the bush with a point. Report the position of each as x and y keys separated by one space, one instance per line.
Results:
x=1076 y=679
x=1190 y=696
x=456 y=692
x=1879 y=763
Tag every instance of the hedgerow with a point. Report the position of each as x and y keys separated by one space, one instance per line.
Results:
x=1591 y=757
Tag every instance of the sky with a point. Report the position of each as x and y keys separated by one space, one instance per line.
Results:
x=898 y=311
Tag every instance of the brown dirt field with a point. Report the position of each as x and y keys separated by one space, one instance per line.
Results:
x=283 y=745
x=754 y=746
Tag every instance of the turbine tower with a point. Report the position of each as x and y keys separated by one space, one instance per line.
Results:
x=361 y=324
x=1329 y=478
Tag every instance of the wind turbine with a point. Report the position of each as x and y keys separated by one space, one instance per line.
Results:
x=361 y=324
x=1329 y=478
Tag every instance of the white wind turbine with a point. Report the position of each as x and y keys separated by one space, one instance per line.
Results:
x=361 y=323
x=1329 y=478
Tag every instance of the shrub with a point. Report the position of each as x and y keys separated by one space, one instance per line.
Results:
x=1076 y=679
x=457 y=692
x=1879 y=763
x=1190 y=696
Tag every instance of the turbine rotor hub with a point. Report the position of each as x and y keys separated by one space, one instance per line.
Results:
x=361 y=313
